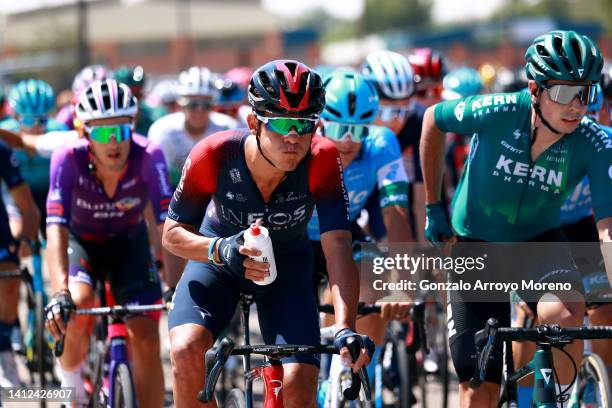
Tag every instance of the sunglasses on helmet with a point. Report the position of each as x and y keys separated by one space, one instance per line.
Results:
x=565 y=94
x=338 y=131
x=283 y=126
x=31 y=121
x=103 y=134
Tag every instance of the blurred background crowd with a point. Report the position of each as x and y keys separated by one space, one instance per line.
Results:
x=148 y=42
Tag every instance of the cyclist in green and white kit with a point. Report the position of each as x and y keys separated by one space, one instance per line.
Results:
x=528 y=151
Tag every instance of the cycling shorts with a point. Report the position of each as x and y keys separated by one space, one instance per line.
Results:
x=207 y=295
x=124 y=261
x=465 y=318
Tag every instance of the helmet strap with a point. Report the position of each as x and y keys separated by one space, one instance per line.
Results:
x=538 y=111
x=260 y=150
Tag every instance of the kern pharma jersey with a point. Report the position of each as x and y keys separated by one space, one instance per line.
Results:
x=503 y=195
x=379 y=163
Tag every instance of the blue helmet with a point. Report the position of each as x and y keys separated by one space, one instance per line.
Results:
x=349 y=98
x=32 y=97
x=229 y=93
x=596 y=106
x=460 y=83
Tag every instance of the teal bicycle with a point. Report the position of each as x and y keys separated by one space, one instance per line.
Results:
x=541 y=366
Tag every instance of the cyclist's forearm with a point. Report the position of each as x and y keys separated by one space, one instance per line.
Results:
x=184 y=241
x=57 y=256
x=432 y=157
x=343 y=279
x=397 y=223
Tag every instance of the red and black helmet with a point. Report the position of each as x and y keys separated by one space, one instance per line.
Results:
x=428 y=65
x=286 y=88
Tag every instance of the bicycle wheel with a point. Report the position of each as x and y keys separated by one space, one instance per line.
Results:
x=594 y=383
x=39 y=340
x=235 y=399
x=403 y=366
x=123 y=389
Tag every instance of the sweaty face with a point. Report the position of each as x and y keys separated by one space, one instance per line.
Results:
x=113 y=155
x=564 y=118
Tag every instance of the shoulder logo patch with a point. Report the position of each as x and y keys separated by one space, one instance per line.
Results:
x=459 y=109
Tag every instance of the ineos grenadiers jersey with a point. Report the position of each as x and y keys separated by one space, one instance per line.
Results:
x=578 y=203
x=379 y=163
x=78 y=201
x=169 y=133
x=503 y=195
x=216 y=185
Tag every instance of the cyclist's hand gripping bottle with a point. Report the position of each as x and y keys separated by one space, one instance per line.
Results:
x=257 y=237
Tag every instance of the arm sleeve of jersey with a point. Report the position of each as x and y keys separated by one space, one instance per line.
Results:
x=327 y=187
x=51 y=141
x=61 y=183
x=9 y=165
x=391 y=175
x=155 y=174
x=599 y=170
x=469 y=115
x=196 y=186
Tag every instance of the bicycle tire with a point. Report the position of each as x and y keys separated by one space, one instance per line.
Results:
x=235 y=399
x=123 y=389
x=40 y=343
x=403 y=367
x=593 y=368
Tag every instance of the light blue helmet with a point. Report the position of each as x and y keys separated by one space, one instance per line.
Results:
x=32 y=97
x=349 y=98
x=595 y=107
x=460 y=83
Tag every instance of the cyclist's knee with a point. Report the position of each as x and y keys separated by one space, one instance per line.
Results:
x=299 y=385
x=188 y=344
x=565 y=312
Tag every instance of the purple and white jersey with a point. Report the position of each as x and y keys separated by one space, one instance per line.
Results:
x=78 y=201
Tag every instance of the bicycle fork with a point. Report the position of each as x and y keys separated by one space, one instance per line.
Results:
x=117 y=332
x=272 y=375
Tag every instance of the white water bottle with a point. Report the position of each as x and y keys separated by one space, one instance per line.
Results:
x=258 y=237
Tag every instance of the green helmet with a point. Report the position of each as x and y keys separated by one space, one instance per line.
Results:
x=130 y=75
x=563 y=55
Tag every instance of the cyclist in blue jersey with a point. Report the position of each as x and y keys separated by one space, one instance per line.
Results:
x=101 y=186
x=528 y=152
x=276 y=171
x=32 y=101
x=393 y=77
x=371 y=159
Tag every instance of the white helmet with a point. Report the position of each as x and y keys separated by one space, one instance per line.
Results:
x=106 y=99
x=391 y=74
x=197 y=81
x=87 y=75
